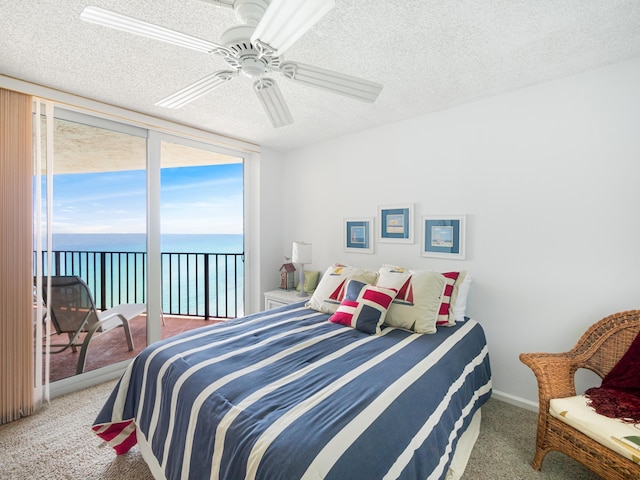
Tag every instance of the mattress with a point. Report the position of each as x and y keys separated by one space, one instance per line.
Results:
x=285 y=394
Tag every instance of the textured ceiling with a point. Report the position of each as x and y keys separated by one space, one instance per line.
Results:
x=429 y=55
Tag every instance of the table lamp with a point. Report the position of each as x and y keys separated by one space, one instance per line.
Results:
x=301 y=254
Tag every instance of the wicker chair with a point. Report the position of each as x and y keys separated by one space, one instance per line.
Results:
x=598 y=350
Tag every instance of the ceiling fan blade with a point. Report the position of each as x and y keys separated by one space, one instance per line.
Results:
x=272 y=101
x=285 y=21
x=197 y=89
x=335 y=82
x=124 y=23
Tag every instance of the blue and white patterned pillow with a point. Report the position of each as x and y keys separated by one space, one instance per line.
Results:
x=364 y=306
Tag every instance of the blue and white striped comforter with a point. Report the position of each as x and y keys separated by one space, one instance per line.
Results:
x=285 y=394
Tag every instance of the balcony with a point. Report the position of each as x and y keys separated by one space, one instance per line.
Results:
x=198 y=289
x=208 y=285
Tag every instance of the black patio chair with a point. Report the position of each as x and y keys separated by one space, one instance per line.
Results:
x=73 y=312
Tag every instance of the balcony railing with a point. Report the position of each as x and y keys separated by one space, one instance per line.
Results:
x=208 y=285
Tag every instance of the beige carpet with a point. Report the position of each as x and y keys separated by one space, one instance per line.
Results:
x=57 y=443
x=506 y=445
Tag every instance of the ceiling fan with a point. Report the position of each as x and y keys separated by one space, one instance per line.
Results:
x=253 y=49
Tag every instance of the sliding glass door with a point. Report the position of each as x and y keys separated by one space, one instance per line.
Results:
x=202 y=239
x=98 y=235
x=140 y=217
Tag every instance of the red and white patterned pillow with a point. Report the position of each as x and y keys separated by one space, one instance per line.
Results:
x=330 y=291
x=364 y=307
x=444 y=314
x=417 y=304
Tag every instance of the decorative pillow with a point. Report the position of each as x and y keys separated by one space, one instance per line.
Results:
x=459 y=298
x=330 y=291
x=364 y=307
x=310 y=281
x=417 y=305
x=444 y=317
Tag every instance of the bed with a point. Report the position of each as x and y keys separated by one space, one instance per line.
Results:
x=286 y=394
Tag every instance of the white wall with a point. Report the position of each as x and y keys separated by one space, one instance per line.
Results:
x=270 y=221
x=548 y=177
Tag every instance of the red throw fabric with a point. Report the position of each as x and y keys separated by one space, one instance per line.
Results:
x=619 y=394
x=121 y=436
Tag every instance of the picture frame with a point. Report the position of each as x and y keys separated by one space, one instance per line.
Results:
x=395 y=224
x=443 y=236
x=357 y=235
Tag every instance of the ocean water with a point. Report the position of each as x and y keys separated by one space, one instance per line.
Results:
x=182 y=274
x=136 y=242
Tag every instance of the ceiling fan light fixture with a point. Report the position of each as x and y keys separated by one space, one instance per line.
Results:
x=285 y=21
x=253 y=67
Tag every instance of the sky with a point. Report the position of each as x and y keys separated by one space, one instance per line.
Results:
x=203 y=199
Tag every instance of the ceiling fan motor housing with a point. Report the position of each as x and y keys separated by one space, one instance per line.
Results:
x=252 y=63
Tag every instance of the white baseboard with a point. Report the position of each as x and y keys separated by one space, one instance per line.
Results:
x=515 y=401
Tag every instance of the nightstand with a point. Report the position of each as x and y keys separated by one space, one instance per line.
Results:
x=278 y=298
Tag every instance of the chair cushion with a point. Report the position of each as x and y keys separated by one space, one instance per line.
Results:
x=621 y=437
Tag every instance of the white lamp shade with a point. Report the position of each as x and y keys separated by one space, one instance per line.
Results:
x=301 y=252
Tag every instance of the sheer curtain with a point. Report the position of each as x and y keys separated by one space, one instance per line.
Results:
x=43 y=178
x=17 y=393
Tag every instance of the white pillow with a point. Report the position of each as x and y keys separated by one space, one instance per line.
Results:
x=417 y=304
x=330 y=291
x=460 y=307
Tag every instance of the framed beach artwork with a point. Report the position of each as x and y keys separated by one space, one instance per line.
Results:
x=357 y=235
x=396 y=224
x=443 y=236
